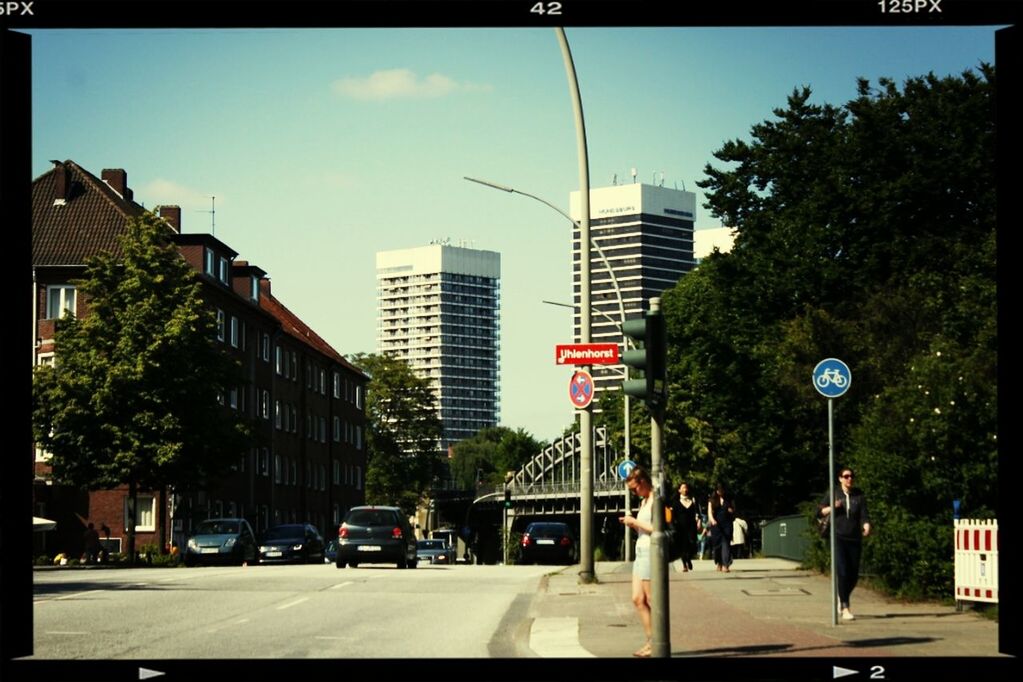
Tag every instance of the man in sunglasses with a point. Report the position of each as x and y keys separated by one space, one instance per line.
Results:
x=852 y=524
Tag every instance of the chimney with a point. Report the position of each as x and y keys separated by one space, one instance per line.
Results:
x=172 y=214
x=117 y=178
x=62 y=187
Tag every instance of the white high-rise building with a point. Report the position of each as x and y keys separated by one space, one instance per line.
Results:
x=646 y=234
x=438 y=308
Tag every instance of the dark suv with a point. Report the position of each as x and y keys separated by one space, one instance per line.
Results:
x=376 y=535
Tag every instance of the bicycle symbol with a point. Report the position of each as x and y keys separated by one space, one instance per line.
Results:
x=831 y=376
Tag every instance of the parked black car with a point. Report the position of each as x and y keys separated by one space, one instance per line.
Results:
x=291 y=543
x=221 y=541
x=376 y=535
x=548 y=541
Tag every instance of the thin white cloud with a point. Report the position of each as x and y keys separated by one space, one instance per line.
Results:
x=401 y=84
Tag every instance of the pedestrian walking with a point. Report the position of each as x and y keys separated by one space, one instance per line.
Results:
x=721 y=513
x=848 y=513
x=638 y=481
x=90 y=542
x=739 y=537
x=687 y=525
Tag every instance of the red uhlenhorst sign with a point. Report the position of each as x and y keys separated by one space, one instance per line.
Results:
x=586 y=354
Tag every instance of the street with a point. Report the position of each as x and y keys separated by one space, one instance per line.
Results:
x=278 y=612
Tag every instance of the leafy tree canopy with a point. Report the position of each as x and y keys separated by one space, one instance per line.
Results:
x=865 y=232
x=404 y=428
x=133 y=394
x=490 y=454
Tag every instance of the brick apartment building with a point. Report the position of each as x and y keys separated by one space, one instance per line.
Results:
x=304 y=401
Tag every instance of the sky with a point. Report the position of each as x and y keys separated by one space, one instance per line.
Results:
x=324 y=146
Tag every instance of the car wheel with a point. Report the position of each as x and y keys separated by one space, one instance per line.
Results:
x=353 y=564
x=413 y=563
x=401 y=563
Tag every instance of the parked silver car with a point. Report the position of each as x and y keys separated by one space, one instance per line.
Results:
x=221 y=541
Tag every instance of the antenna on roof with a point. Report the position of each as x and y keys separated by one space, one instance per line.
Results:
x=213 y=215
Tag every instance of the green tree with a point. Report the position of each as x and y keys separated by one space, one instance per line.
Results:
x=491 y=453
x=865 y=232
x=402 y=457
x=133 y=395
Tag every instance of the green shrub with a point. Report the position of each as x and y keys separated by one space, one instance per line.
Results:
x=514 y=544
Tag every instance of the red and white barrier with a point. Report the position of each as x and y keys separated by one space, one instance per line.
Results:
x=976 y=560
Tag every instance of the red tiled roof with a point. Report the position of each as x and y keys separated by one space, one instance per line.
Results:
x=296 y=328
x=86 y=225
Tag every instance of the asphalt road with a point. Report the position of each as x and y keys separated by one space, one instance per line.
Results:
x=281 y=612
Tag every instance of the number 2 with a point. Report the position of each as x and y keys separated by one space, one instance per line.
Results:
x=877 y=672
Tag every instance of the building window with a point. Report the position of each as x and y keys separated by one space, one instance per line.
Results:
x=358 y=477
x=277 y=414
x=358 y=397
x=254 y=289
x=358 y=437
x=277 y=468
x=208 y=262
x=308 y=376
x=233 y=397
x=48 y=359
x=264 y=404
x=323 y=429
x=294 y=366
x=337 y=429
x=337 y=472
x=294 y=472
x=264 y=462
x=220 y=325
x=145 y=519
x=337 y=514
x=234 y=331
x=323 y=382
x=337 y=385
x=323 y=477
x=59 y=298
x=223 y=270
x=279 y=359
x=294 y=420
x=266 y=347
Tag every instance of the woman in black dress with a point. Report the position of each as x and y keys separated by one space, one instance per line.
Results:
x=720 y=515
x=687 y=525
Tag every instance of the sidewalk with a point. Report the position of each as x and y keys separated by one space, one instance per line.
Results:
x=763 y=607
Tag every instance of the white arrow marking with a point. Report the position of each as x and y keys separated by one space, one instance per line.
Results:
x=837 y=672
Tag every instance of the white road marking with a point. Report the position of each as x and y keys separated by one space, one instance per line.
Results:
x=65 y=632
x=557 y=638
x=290 y=604
x=342 y=584
x=241 y=620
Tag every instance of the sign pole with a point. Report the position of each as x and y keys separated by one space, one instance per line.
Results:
x=832 y=378
x=831 y=497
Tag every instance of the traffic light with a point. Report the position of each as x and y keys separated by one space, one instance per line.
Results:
x=651 y=358
x=507 y=498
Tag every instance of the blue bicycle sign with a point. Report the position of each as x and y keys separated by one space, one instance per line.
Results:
x=831 y=378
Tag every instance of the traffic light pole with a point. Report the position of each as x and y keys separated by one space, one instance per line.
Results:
x=661 y=638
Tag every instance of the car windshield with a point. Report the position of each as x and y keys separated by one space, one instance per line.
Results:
x=285 y=532
x=547 y=530
x=217 y=528
x=371 y=517
x=430 y=544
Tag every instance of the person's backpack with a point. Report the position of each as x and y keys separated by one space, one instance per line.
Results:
x=672 y=533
